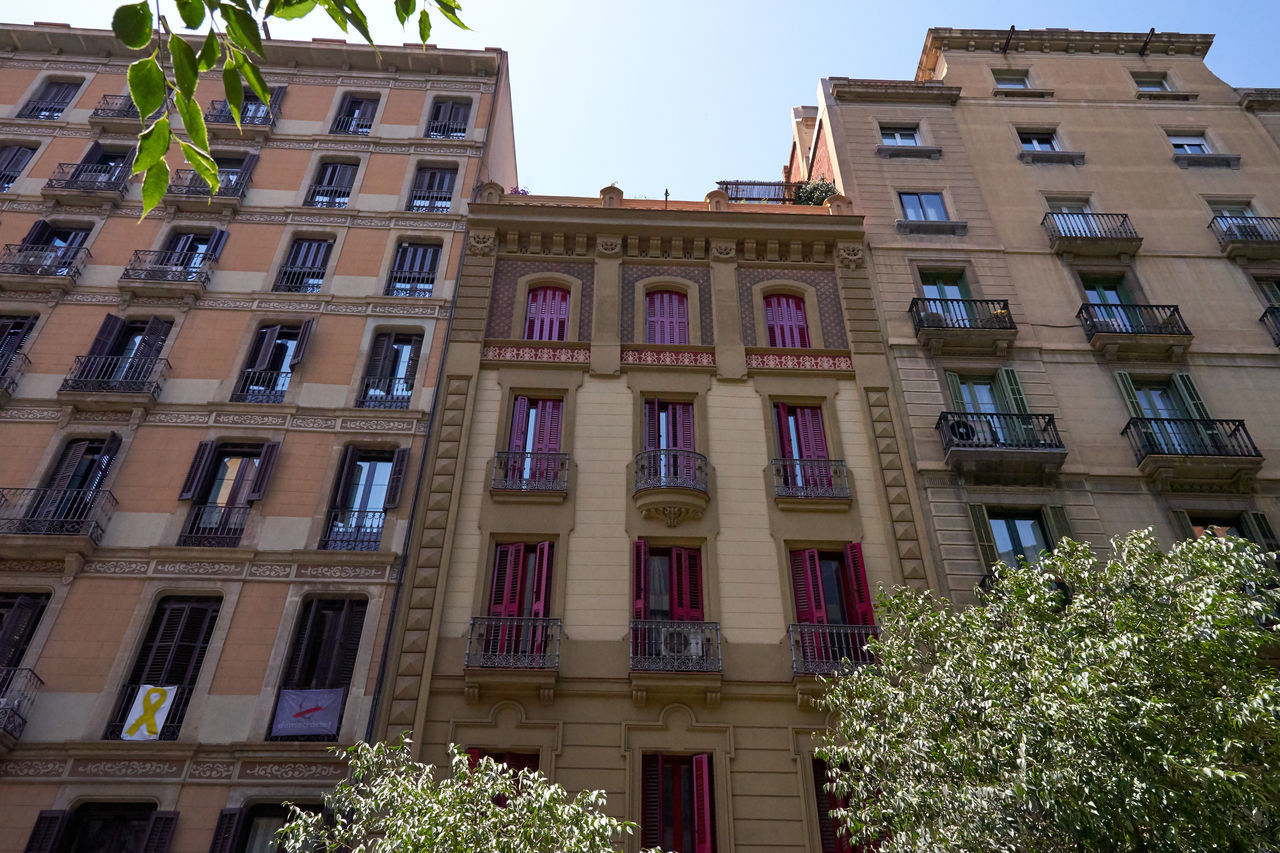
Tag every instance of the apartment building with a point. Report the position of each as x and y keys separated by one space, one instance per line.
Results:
x=665 y=487
x=211 y=426
x=1074 y=240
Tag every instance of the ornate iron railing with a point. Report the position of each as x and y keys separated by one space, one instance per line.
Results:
x=760 y=192
x=189 y=182
x=822 y=649
x=1188 y=437
x=662 y=646
x=12 y=366
x=1249 y=229
x=352 y=125
x=353 y=530
x=261 y=386
x=327 y=195
x=18 y=689
x=1003 y=430
x=810 y=478
x=1131 y=320
x=24 y=259
x=446 y=130
x=292 y=279
x=1271 y=319
x=960 y=314
x=513 y=642
x=7 y=177
x=385 y=392
x=116 y=106
x=90 y=177
x=167 y=265
x=43 y=110
x=172 y=722
x=251 y=113
x=117 y=374
x=410 y=282
x=671 y=469
x=56 y=512
x=429 y=201
x=1099 y=226
x=516 y=471
x=214 y=526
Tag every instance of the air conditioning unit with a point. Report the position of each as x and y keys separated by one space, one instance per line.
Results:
x=962 y=431
x=681 y=642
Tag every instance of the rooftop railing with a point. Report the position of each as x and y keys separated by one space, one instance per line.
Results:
x=760 y=192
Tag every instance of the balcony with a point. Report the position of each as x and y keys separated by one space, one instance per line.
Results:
x=1247 y=237
x=353 y=530
x=429 y=201
x=760 y=192
x=188 y=191
x=42 y=110
x=811 y=484
x=671 y=485
x=825 y=649
x=447 y=130
x=513 y=642
x=410 y=283
x=213 y=526
x=51 y=522
x=12 y=366
x=352 y=126
x=963 y=324
x=1135 y=331
x=261 y=386
x=1183 y=450
x=254 y=115
x=1271 y=319
x=325 y=195
x=114 y=382
x=166 y=273
x=665 y=646
x=89 y=183
x=118 y=113
x=530 y=476
x=385 y=392
x=292 y=279
x=24 y=267
x=18 y=689
x=1098 y=234
x=932 y=227
x=1002 y=444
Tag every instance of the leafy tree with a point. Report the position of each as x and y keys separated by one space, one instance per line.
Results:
x=234 y=38
x=814 y=192
x=1131 y=705
x=392 y=803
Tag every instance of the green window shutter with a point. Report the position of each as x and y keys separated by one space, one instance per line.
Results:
x=1057 y=526
x=957 y=393
x=1190 y=396
x=1182 y=524
x=1011 y=390
x=1257 y=529
x=982 y=531
x=1129 y=393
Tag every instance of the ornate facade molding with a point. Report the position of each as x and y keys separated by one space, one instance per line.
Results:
x=371 y=425
x=669 y=358
x=33 y=768
x=31 y=566
x=798 y=361
x=115 y=567
x=230 y=419
x=342 y=572
x=199 y=569
x=301 y=771
x=8 y=414
x=531 y=352
x=126 y=768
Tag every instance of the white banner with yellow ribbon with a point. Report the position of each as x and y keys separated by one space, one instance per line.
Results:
x=150 y=710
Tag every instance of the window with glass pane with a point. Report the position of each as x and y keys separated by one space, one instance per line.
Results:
x=944 y=284
x=1186 y=143
x=1038 y=140
x=356 y=115
x=980 y=395
x=1270 y=288
x=13 y=159
x=1011 y=79
x=677 y=803
x=1216 y=525
x=1151 y=82
x=923 y=206
x=1018 y=536
x=900 y=135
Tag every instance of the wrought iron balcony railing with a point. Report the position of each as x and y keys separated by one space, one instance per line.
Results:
x=998 y=430
x=353 y=530
x=56 y=512
x=1247 y=229
x=410 y=282
x=960 y=314
x=89 y=177
x=12 y=366
x=429 y=201
x=1099 y=226
x=1271 y=319
x=18 y=689
x=760 y=192
x=662 y=646
x=167 y=265
x=1189 y=437
x=1131 y=320
x=352 y=125
x=823 y=649
x=188 y=182
x=671 y=469
x=25 y=259
x=7 y=177
x=326 y=195
x=253 y=113
x=261 y=386
x=515 y=471
x=214 y=526
x=292 y=279
x=385 y=392
x=513 y=642
x=446 y=130
x=117 y=374
x=43 y=110
x=810 y=478
x=172 y=722
x=116 y=106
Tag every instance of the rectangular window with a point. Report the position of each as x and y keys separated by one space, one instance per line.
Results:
x=1036 y=140
x=923 y=206
x=332 y=186
x=104 y=828
x=831 y=587
x=517 y=761
x=20 y=614
x=1189 y=143
x=171 y=655
x=1149 y=82
x=413 y=270
x=1270 y=288
x=1253 y=526
x=369 y=483
x=355 y=116
x=54 y=97
x=666 y=318
x=304 y=266
x=275 y=352
x=547 y=315
x=432 y=190
x=14 y=331
x=1011 y=79
x=900 y=135
x=801 y=434
x=785 y=321
x=222 y=482
x=1018 y=536
x=389 y=375
x=668 y=426
x=829 y=835
x=677 y=808
x=13 y=159
x=667 y=583
x=448 y=119
x=84 y=464
x=318 y=671
x=518 y=628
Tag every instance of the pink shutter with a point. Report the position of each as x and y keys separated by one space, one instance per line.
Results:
x=806 y=580
x=680 y=319
x=703 y=832
x=652 y=424
x=559 y=314
x=639 y=579
x=508 y=567
x=781 y=413
x=541 y=581
x=682 y=425
x=813 y=438
x=533 y=316
x=548 y=314
x=546 y=433
x=863 y=609
x=686 y=587
x=653 y=323
x=771 y=320
x=519 y=425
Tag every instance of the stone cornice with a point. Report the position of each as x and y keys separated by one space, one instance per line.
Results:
x=893 y=91
x=1260 y=100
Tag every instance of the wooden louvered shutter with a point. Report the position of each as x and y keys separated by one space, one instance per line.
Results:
x=546 y=433
x=1182 y=527
x=308 y=635
x=956 y=390
x=654 y=317
x=395 y=480
x=508 y=570
x=864 y=610
x=92 y=155
x=17 y=627
x=265 y=348
x=346 y=473
x=13 y=159
x=226 y=831
x=246 y=169
x=652 y=425
x=60 y=476
x=682 y=426
x=40 y=234
x=1258 y=530
x=1057 y=525
x=826 y=801
x=686 y=592
x=982 y=532
x=201 y=465
x=277 y=98
x=110 y=447
x=46 y=835
x=703 y=830
x=1129 y=393
x=1011 y=391
x=782 y=420
x=304 y=337
x=341 y=662
x=108 y=337
x=262 y=476
x=639 y=579
x=519 y=425
x=651 y=800
x=160 y=830
x=459 y=111
x=153 y=338
x=379 y=357
x=1190 y=395
x=540 y=603
x=806 y=582
x=411 y=363
x=217 y=241
x=813 y=438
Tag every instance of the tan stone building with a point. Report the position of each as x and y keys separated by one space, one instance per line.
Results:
x=1075 y=248
x=211 y=425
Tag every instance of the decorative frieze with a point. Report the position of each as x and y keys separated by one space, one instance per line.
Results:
x=115 y=567
x=669 y=357
x=372 y=425
x=215 y=569
x=295 y=771
x=211 y=771
x=231 y=419
x=199 y=569
x=18 y=414
x=343 y=572
x=798 y=361
x=130 y=769
x=31 y=566
x=531 y=352
x=32 y=768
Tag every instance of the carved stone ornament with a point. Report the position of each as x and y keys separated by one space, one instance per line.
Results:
x=609 y=247
x=210 y=770
x=672 y=516
x=723 y=250
x=850 y=257
x=481 y=243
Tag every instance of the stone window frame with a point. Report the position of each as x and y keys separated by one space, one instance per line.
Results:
x=520 y=303
x=678 y=285
x=785 y=287
x=337 y=234
x=340 y=99
x=321 y=157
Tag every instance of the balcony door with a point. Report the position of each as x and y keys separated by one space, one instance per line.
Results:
x=520 y=589
x=943 y=291
x=1074 y=219
x=222 y=494
x=67 y=501
x=677 y=803
x=666 y=585
x=668 y=432
x=534 y=443
x=124 y=353
x=831 y=590
x=1110 y=296
x=802 y=446
x=998 y=400
x=1176 y=420
x=390 y=373
x=369 y=482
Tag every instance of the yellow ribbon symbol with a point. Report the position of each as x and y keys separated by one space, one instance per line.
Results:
x=152 y=702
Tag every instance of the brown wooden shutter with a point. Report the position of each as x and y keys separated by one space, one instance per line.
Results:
x=379 y=352
x=18 y=625
x=108 y=337
x=160 y=832
x=110 y=447
x=986 y=539
x=277 y=98
x=261 y=477
x=411 y=364
x=201 y=464
x=304 y=337
x=217 y=242
x=346 y=470
x=226 y=831
x=46 y=835
x=325 y=644
x=40 y=234
x=395 y=481
x=263 y=347
x=246 y=168
x=153 y=338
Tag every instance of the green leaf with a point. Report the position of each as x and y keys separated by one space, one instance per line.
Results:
x=424 y=26
x=202 y=163
x=289 y=11
x=192 y=12
x=356 y=16
x=450 y=11
x=334 y=12
x=184 y=65
x=192 y=120
x=242 y=28
x=146 y=85
x=153 y=143
x=209 y=51
x=404 y=8
x=154 y=186
x=132 y=25
x=234 y=88
x=249 y=70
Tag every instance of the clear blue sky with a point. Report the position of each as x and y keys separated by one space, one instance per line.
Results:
x=677 y=94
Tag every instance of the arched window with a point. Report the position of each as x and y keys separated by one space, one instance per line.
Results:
x=548 y=316
x=784 y=318
x=666 y=317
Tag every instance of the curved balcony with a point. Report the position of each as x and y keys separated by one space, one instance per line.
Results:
x=963 y=324
x=1135 y=331
x=811 y=483
x=659 y=645
x=214 y=526
x=1247 y=237
x=1196 y=450
x=1091 y=233
x=824 y=649
x=18 y=689
x=671 y=485
x=530 y=476
x=114 y=381
x=1005 y=444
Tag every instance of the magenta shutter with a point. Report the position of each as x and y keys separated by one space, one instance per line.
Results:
x=781 y=413
x=682 y=425
x=813 y=438
x=686 y=586
x=547 y=318
x=666 y=317
x=508 y=570
x=541 y=581
x=546 y=431
x=703 y=833
x=651 y=801
x=785 y=321
x=806 y=580
x=652 y=424
x=519 y=425
x=863 y=609
x=639 y=579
